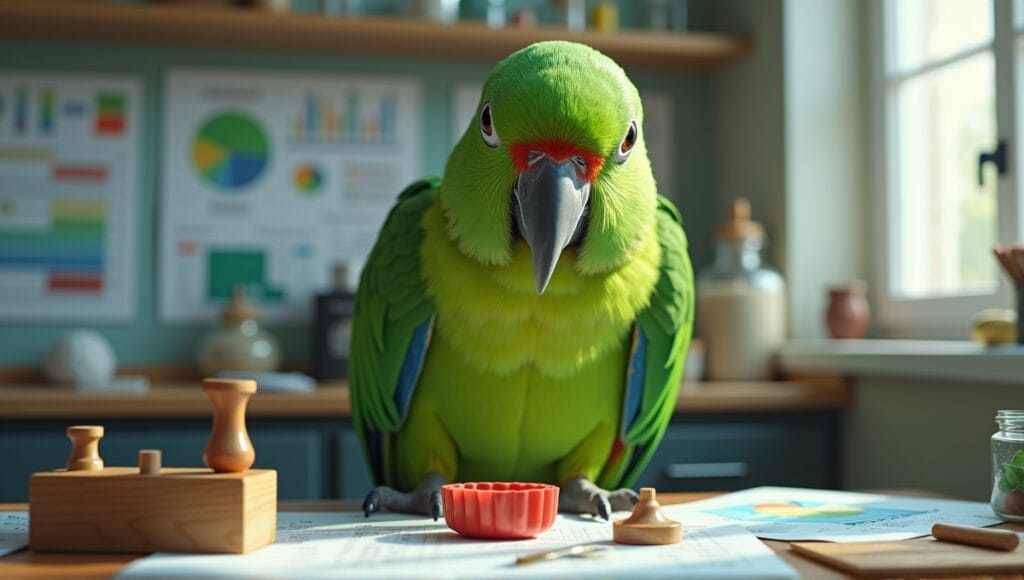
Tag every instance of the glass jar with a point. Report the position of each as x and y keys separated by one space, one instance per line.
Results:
x=1008 y=466
x=741 y=309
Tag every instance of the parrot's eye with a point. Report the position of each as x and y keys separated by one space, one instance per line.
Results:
x=581 y=164
x=490 y=135
x=626 y=147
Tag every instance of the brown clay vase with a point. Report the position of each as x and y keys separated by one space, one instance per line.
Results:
x=848 y=313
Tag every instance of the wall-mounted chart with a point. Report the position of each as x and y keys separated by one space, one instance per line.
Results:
x=230 y=151
x=308 y=179
x=270 y=178
x=68 y=188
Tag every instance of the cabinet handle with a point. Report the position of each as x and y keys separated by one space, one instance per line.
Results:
x=706 y=470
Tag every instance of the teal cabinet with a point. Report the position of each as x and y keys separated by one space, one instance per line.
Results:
x=322 y=458
x=726 y=453
x=354 y=479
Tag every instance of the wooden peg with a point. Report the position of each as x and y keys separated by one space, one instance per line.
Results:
x=149 y=461
x=647 y=525
x=85 y=448
x=229 y=449
x=1005 y=540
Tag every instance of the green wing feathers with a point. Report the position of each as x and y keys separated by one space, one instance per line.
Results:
x=391 y=304
x=667 y=323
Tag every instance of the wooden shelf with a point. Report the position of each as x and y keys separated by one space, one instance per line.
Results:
x=256 y=29
x=175 y=400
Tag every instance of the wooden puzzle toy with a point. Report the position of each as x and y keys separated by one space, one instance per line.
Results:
x=229 y=508
x=647 y=525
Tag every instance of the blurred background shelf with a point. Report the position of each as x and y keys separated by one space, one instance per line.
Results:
x=376 y=35
x=184 y=398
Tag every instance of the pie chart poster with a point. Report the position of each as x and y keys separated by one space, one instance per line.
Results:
x=269 y=179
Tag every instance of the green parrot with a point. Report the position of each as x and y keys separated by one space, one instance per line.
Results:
x=526 y=317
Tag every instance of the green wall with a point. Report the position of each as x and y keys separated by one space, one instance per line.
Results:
x=145 y=340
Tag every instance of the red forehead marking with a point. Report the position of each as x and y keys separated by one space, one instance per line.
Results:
x=558 y=151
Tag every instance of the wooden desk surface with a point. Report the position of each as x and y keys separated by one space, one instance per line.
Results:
x=26 y=564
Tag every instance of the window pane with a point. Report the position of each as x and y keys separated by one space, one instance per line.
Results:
x=928 y=30
x=946 y=223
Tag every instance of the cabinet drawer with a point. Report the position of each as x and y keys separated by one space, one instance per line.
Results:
x=725 y=457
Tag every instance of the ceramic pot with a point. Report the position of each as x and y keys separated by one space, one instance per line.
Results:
x=848 y=313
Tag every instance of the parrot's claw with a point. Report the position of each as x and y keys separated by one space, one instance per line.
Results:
x=372 y=503
x=425 y=499
x=436 y=509
x=603 y=508
x=583 y=496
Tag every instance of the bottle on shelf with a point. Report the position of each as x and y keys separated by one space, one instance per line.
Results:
x=741 y=308
x=332 y=328
x=240 y=344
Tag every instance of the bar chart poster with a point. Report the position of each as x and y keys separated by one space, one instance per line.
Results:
x=271 y=178
x=69 y=147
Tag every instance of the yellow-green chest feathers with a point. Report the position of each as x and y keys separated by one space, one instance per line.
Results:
x=494 y=316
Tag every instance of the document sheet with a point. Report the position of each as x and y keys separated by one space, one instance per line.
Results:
x=13 y=531
x=347 y=545
x=794 y=514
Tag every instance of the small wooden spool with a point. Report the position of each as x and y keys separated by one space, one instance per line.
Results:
x=85 y=448
x=647 y=525
x=149 y=461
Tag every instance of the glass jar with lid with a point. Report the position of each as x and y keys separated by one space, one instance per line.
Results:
x=741 y=309
x=1008 y=466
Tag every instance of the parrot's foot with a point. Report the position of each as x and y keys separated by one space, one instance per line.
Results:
x=582 y=496
x=425 y=499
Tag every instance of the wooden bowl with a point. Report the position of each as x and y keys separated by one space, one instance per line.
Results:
x=499 y=510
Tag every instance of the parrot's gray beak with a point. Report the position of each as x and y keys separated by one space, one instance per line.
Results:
x=551 y=201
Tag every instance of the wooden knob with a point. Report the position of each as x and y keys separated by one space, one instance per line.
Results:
x=85 y=448
x=647 y=525
x=229 y=449
x=149 y=461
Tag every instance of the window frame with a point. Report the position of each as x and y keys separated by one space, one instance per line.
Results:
x=947 y=316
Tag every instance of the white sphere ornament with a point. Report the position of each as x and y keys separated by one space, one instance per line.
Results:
x=80 y=357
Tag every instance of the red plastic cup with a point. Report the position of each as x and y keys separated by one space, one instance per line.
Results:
x=500 y=510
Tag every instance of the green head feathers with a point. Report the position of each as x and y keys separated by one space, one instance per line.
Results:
x=553 y=117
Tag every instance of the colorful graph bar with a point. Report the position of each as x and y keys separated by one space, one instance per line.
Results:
x=21 y=111
x=79 y=172
x=110 y=113
x=321 y=122
x=74 y=282
x=69 y=253
x=47 y=105
x=16 y=153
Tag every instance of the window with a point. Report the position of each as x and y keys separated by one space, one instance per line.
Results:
x=945 y=101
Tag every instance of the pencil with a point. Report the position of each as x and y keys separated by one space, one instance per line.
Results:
x=993 y=539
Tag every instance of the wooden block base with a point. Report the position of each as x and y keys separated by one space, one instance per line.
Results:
x=181 y=510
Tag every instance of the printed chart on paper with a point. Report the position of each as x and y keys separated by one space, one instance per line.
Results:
x=272 y=178
x=69 y=148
